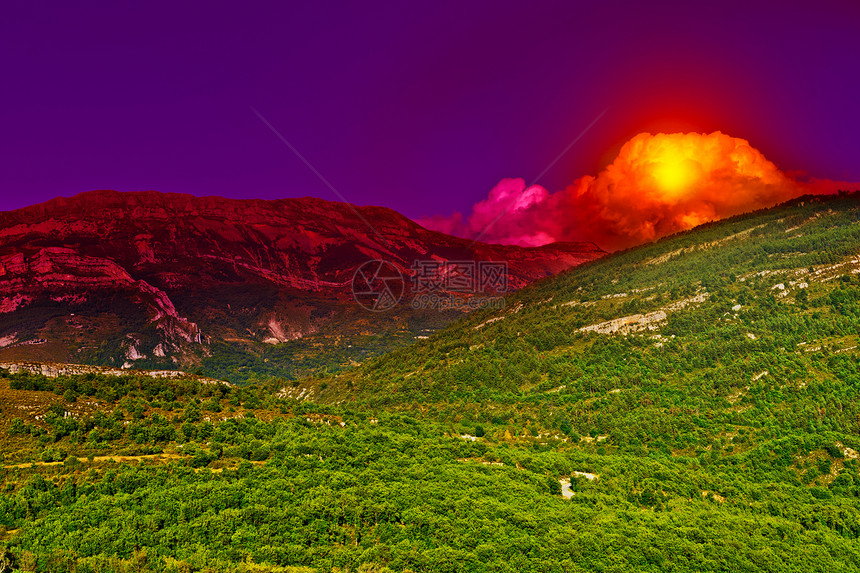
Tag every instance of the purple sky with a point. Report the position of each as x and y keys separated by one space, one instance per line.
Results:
x=422 y=107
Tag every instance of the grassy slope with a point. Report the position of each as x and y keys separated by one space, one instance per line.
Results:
x=723 y=439
x=533 y=348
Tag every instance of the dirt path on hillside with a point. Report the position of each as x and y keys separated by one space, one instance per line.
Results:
x=104 y=459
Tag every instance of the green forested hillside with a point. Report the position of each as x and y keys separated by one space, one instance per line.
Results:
x=810 y=247
x=701 y=395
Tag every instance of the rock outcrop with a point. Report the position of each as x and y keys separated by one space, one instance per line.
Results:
x=179 y=271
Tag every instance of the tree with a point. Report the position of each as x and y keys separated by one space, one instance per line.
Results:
x=7 y=561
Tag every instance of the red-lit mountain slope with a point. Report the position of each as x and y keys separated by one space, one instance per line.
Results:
x=125 y=277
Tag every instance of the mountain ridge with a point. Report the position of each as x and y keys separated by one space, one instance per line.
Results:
x=636 y=293
x=690 y=405
x=201 y=269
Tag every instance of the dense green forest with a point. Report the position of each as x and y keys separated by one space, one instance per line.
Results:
x=700 y=395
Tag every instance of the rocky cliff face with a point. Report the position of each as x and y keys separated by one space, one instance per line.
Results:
x=52 y=370
x=120 y=277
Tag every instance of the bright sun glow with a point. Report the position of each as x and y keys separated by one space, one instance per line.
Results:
x=673 y=172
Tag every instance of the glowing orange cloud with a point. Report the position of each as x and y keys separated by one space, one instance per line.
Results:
x=658 y=185
x=664 y=183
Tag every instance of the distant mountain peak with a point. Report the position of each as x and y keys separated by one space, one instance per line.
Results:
x=173 y=271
